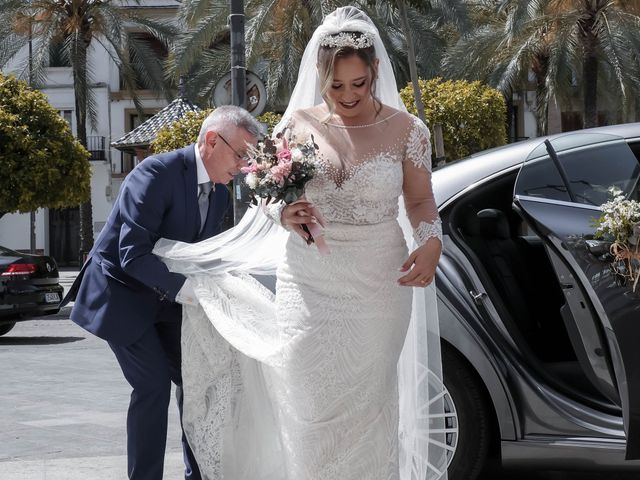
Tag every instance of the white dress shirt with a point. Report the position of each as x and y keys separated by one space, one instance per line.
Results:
x=186 y=295
x=203 y=176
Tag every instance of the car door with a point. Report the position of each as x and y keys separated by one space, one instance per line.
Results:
x=558 y=192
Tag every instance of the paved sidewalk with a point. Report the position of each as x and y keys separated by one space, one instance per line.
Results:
x=82 y=468
x=64 y=403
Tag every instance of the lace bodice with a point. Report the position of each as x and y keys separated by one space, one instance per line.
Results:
x=363 y=170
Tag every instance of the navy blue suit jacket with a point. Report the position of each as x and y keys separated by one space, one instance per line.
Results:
x=123 y=288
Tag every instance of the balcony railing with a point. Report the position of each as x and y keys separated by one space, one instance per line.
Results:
x=96 y=148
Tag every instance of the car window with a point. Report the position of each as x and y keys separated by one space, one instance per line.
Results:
x=593 y=165
x=540 y=178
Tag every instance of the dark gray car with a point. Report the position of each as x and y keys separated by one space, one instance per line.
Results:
x=540 y=338
x=29 y=285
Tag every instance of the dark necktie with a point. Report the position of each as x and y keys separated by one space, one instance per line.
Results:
x=204 y=189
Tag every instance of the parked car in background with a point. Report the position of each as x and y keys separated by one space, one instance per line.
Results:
x=540 y=337
x=29 y=285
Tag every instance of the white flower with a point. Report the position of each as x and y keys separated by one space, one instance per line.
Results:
x=296 y=155
x=252 y=180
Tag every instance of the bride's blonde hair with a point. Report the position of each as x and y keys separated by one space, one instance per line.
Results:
x=327 y=57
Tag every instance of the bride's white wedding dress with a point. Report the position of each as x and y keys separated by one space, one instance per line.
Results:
x=306 y=386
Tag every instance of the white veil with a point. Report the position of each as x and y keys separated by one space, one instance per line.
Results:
x=255 y=247
x=307 y=90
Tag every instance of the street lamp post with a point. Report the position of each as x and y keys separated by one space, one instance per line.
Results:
x=238 y=89
x=238 y=67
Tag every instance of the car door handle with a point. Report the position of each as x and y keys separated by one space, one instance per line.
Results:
x=598 y=247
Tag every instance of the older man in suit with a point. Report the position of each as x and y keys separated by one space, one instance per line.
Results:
x=126 y=295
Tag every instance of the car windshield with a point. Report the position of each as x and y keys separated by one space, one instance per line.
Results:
x=580 y=168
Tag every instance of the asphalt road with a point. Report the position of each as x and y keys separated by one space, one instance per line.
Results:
x=64 y=404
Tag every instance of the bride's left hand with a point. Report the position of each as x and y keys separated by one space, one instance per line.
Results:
x=424 y=260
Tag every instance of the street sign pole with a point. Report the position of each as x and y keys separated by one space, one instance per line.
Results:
x=238 y=89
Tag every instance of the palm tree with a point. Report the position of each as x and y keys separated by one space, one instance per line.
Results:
x=435 y=13
x=277 y=32
x=74 y=26
x=568 y=46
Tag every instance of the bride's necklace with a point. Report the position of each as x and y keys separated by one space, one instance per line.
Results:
x=340 y=125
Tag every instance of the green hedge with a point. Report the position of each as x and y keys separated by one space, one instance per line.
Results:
x=42 y=164
x=185 y=131
x=472 y=115
x=181 y=133
x=270 y=119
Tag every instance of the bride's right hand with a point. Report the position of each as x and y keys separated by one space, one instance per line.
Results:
x=295 y=215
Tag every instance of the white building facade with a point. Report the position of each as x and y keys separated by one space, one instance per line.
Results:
x=116 y=115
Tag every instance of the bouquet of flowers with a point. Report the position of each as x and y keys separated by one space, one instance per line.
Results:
x=620 y=224
x=278 y=170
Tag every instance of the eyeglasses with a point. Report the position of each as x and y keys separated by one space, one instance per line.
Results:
x=241 y=158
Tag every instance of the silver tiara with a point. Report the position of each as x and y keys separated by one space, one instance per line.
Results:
x=347 y=39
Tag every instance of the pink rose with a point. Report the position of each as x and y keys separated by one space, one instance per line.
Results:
x=284 y=155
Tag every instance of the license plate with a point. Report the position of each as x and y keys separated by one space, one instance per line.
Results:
x=51 y=297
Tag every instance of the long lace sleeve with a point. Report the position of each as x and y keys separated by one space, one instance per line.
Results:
x=274 y=212
x=417 y=190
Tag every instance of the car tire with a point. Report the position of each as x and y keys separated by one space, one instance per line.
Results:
x=6 y=327
x=467 y=397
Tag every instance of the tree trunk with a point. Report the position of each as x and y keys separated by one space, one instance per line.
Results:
x=590 y=78
x=81 y=89
x=402 y=7
x=590 y=69
x=540 y=69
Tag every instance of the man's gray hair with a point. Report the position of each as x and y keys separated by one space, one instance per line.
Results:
x=227 y=116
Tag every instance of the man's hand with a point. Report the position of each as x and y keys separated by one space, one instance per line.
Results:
x=186 y=295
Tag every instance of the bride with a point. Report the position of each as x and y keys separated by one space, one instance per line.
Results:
x=337 y=376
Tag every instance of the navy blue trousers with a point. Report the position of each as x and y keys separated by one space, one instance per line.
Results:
x=150 y=365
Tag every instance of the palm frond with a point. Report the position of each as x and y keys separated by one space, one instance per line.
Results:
x=192 y=12
x=163 y=30
x=147 y=65
x=454 y=12
x=473 y=56
x=46 y=34
x=511 y=74
x=190 y=45
x=212 y=65
x=257 y=26
x=10 y=45
x=620 y=46
x=563 y=61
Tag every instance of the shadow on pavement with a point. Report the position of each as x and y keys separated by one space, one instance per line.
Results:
x=63 y=314
x=557 y=475
x=38 y=340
